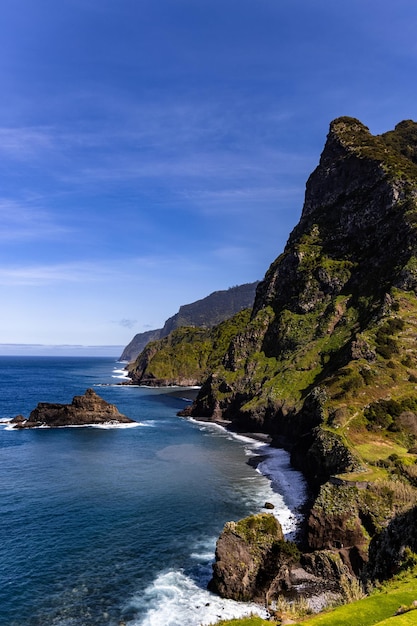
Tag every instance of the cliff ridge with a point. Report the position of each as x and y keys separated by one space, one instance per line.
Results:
x=204 y=313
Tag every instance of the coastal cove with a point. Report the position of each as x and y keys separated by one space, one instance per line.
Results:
x=110 y=525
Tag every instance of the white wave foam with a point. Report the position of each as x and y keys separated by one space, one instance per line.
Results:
x=121 y=374
x=284 y=478
x=286 y=488
x=204 y=553
x=174 y=599
x=105 y=426
x=110 y=425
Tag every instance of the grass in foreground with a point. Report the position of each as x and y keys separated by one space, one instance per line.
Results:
x=380 y=608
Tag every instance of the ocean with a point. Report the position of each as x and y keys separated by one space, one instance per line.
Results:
x=110 y=526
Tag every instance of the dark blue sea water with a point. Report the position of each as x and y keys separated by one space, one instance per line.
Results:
x=107 y=526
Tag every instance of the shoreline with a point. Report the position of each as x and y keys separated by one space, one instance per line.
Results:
x=188 y=595
x=270 y=461
x=274 y=464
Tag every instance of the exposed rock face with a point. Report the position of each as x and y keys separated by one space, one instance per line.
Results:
x=83 y=411
x=138 y=343
x=246 y=556
x=322 y=454
x=355 y=243
x=254 y=562
x=396 y=545
x=328 y=361
x=340 y=521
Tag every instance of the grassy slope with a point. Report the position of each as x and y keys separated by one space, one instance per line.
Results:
x=189 y=352
x=377 y=609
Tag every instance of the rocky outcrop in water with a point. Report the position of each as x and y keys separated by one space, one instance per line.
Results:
x=246 y=555
x=88 y=409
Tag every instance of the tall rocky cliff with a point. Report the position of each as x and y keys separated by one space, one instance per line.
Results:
x=204 y=313
x=328 y=361
x=343 y=286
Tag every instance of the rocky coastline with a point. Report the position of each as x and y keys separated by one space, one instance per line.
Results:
x=327 y=368
x=256 y=562
x=325 y=364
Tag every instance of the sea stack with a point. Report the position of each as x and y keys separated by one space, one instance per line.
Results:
x=88 y=409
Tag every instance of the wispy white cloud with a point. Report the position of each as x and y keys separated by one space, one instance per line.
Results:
x=25 y=143
x=236 y=198
x=213 y=156
x=132 y=270
x=52 y=274
x=20 y=221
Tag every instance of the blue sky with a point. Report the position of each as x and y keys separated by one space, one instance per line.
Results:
x=152 y=152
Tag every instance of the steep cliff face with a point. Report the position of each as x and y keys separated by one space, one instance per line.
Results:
x=328 y=361
x=395 y=547
x=212 y=310
x=317 y=327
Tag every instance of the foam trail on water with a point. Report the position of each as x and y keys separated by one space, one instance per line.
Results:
x=175 y=599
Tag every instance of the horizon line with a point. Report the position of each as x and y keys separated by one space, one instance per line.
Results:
x=113 y=351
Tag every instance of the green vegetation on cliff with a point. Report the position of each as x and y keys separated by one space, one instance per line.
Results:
x=187 y=355
x=333 y=330
x=204 y=313
x=327 y=360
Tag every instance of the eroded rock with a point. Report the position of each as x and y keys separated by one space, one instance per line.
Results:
x=84 y=410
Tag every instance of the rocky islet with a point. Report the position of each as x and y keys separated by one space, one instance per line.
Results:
x=86 y=410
